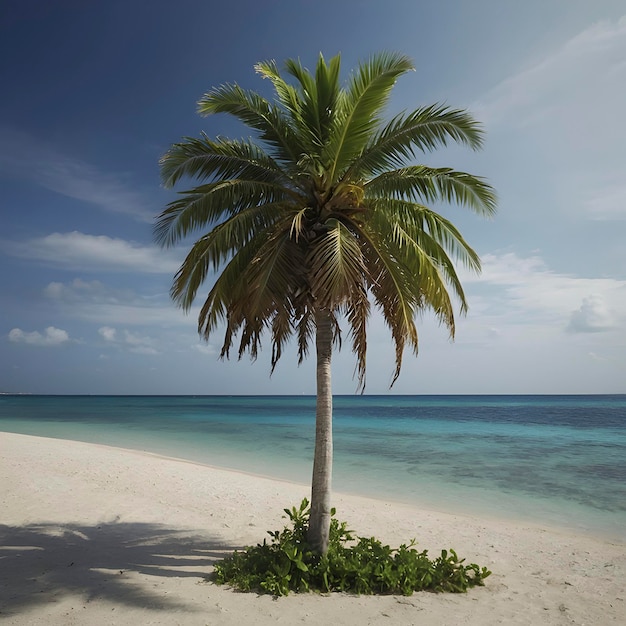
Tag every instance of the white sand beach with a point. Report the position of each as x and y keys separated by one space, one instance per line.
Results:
x=96 y=535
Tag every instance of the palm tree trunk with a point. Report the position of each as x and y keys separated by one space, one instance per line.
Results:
x=319 y=520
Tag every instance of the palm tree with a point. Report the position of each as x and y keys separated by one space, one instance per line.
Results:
x=322 y=215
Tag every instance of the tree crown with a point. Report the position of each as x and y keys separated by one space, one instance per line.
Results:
x=324 y=210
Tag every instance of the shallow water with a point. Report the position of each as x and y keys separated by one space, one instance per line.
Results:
x=558 y=460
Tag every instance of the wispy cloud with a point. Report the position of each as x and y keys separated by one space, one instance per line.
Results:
x=28 y=158
x=606 y=198
x=79 y=251
x=564 y=114
x=93 y=301
x=133 y=342
x=527 y=291
x=107 y=333
x=94 y=291
x=577 y=75
x=205 y=348
x=591 y=317
x=51 y=336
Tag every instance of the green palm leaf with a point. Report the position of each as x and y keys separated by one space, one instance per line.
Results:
x=359 y=113
x=257 y=113
x=426 y=184
x=204 y=159
x=211 y=203
x=406 y=135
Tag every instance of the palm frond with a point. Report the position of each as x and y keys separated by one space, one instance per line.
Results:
x=272 y=285
x=425 y=258
x=423 y=130
x=307 y=118
x=395 y=293
x=335 y=265
x=205 y=159
x=328 y=91
x=257 y=113
x=297 y=224
x=286 y=94
x=426 y=184
x=359 y=114
x=311 y=106
x=357 y=313
x=215 y=248
x=305 y=330
x=272 y=276
x=208 y=205
x=229 y=288
x=418 y=219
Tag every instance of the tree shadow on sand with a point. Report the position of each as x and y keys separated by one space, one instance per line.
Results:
x=118 y=562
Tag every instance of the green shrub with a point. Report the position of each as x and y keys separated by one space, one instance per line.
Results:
x=358 y=565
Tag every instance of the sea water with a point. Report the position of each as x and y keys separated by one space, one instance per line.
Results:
x=551 y=460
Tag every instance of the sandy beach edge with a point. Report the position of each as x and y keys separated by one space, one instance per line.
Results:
x=91 y=534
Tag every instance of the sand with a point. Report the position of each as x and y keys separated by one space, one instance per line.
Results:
x=93 y=535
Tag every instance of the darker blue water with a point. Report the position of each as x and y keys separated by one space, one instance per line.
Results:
x=556 y=459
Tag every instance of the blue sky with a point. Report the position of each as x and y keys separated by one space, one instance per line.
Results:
x=93 y=93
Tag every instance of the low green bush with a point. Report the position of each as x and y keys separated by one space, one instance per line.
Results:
x=358 y=565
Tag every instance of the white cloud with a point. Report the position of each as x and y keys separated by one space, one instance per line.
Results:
x=576 y=76
x=107 y=333
x=561 y=121
x=106 y=306
x=51 y=337
x=79 y=251
x=525 y=291
x=93 y=291
x=54 y=290
x=133 y=342
x=135 y=315
x=592 y=316
x=147 y=350
x=204 y=348
x=23 y=156
x=139 y=344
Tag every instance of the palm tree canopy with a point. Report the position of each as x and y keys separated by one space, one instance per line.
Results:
x=325 y=210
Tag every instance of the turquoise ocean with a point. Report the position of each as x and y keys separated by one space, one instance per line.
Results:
x=551 y=460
